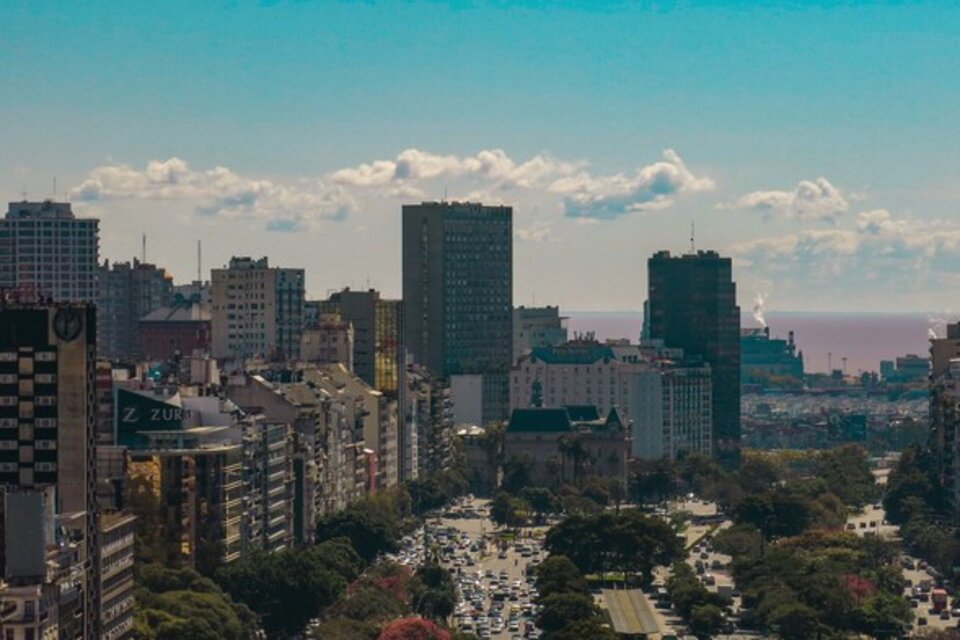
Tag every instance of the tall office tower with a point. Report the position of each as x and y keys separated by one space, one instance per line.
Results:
x=47 y=252
x=692 y=305
x=458 y=294
x=378 y=351
x=128 y=292
x=257 y=310
x=48 y=417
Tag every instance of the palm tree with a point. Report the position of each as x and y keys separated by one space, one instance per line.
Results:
x=571 y=444
x=554 y=468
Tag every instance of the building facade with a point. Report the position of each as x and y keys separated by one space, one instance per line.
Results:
x=458 y=293
x=182 y=327
x=378 y=350
x=329 y=463
x=46 y=252
x=48 y=426
x=268 y=475
x=769 y=361
x=327 y=339
x=257 y=310
x=660 y=394
x=370 y=410
x=186 y=486
x=116 y=575
x=692 y=305
x=127 y=293
x=537 y=327
x=429 y=423
x=944 y=442
x=567 y=444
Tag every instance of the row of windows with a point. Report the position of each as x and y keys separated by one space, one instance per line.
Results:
x=13 y=467
x=39 y=356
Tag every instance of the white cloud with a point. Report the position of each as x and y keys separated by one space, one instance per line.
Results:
x=539 y=231
x=809 y=200
x=879 y=247
x=489 y=175
x=219 y=192
x=491 y=165
x=650 y=188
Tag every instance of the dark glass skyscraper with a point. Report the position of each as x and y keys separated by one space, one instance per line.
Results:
x=692 y=305
x=458 y=293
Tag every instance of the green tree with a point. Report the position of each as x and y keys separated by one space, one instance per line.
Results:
x=541 y=500
x=557 y=574
x=618 y=491
x=438 y=597
x=582 y=629
x=706 y=619
x=652 y=480
x=914 y=489
x=517 y=473
x=759 y=473
x=739 y=540
x=795 y=621
x=371 y=524
x=596 y=489
x=846 y=472
x=629 y=541
x=509 y=511
x=563 y=609
x=369 y=602
x=884 y=615
x=572 y=448
x=290 y=587
x=180 y=600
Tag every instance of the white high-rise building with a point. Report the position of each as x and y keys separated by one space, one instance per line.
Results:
x=257 y=310
x=48 y=252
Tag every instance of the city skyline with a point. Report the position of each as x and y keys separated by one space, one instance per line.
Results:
x=796 y=143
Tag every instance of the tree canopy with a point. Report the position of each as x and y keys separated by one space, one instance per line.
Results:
x=290 y=587
x=180 y=604
x=628 y=541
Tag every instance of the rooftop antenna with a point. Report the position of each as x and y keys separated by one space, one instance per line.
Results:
x=143 y=249
x=23 y=192
x=199 y=265
x=54 y=188
x=693 y=236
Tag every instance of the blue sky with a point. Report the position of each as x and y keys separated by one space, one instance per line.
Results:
x=813 y=141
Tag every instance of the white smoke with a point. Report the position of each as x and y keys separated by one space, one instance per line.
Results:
x=758 y=302
x=938 y=323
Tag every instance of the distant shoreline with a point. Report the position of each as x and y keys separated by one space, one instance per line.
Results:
x=748 y=314
x=860 y=340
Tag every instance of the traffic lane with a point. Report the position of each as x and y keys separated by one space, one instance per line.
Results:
x=514 y=564
x=917 y=576
x=872 y=521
